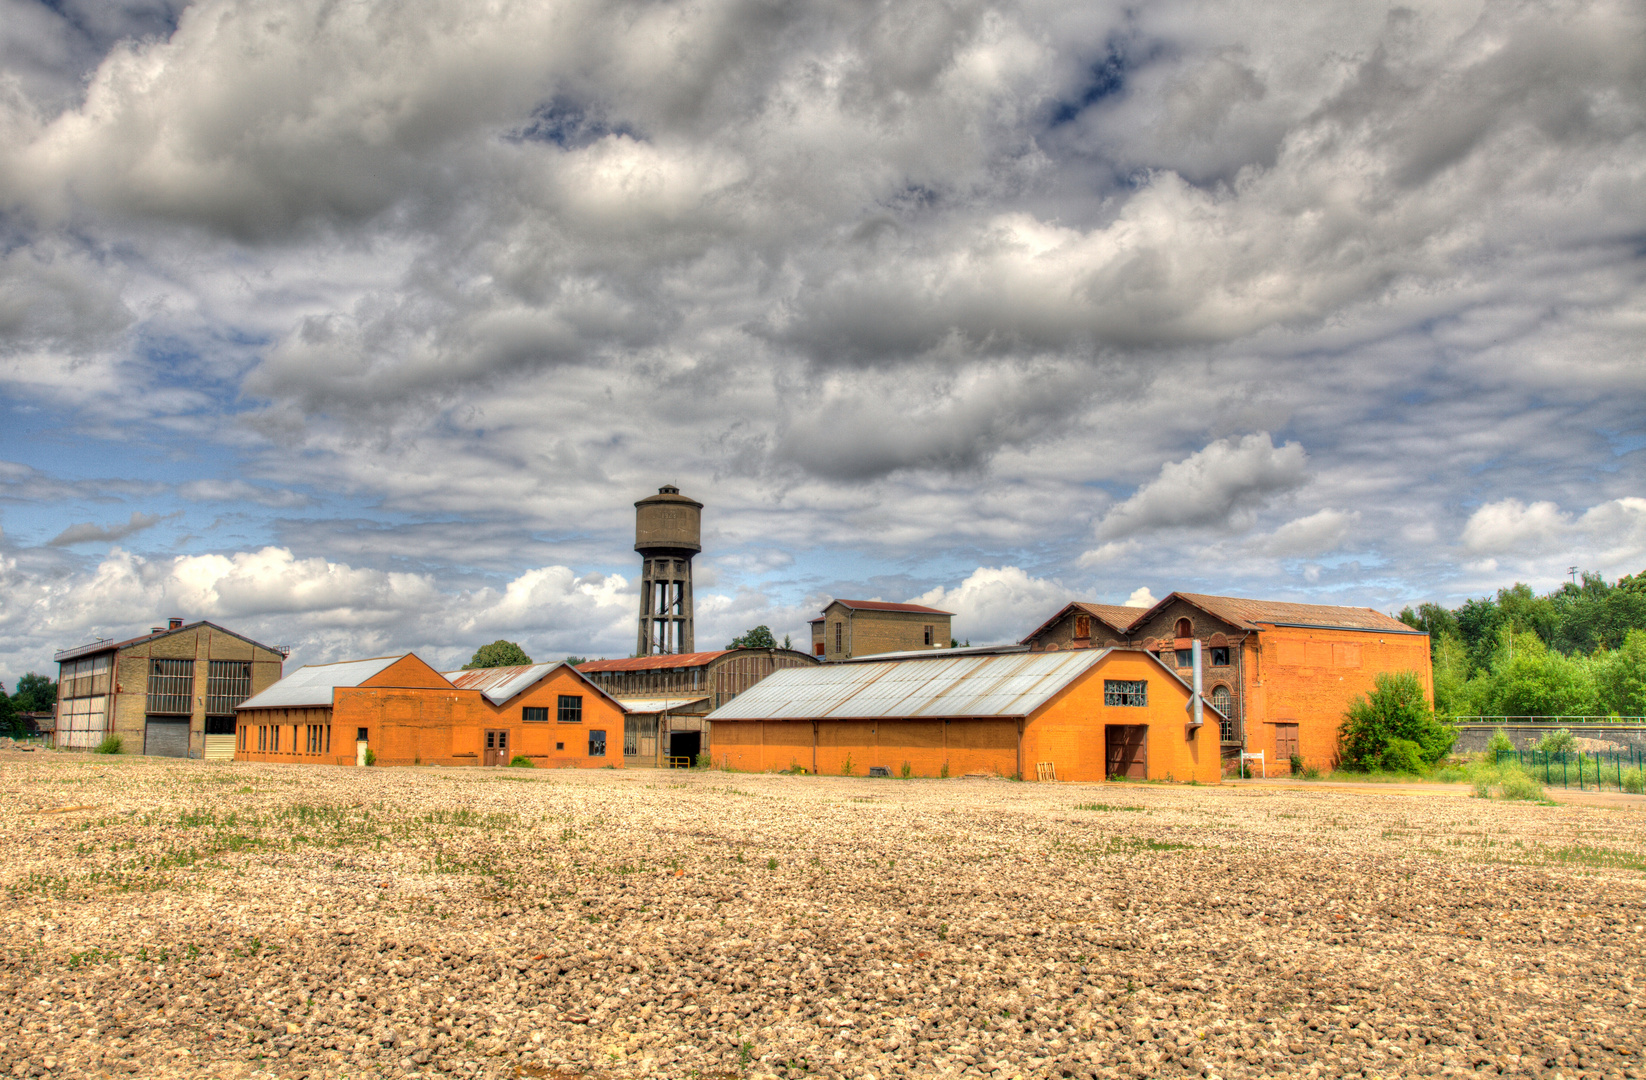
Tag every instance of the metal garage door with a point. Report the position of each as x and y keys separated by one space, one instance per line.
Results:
x=166 y=738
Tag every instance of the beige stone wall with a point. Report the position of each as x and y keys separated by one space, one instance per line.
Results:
x=202 y=644
x=869 y=632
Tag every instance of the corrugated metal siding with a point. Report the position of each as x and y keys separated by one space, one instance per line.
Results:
x=1003 y=685
x=166 y=738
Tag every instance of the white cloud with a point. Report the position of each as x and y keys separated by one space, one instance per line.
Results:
x=1224 y=482
x=1141 y=598
x=1609 y=538
x=229 y=491
x=997 y=604
x=1316 y=534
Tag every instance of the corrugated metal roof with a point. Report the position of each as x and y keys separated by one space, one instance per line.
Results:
x=313 y=685
x=926 y=654
x=652 y=705
x=109 y=644
x=1014 y=684
x=499 y=684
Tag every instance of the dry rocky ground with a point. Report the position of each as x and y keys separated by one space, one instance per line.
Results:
x=184 y=918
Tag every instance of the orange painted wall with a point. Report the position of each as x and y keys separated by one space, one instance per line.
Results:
x=1308 y=677
x=1067 y=731
x=421 y=722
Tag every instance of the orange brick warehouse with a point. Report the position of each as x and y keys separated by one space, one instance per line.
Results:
x=1075 y=715
x=406 y=713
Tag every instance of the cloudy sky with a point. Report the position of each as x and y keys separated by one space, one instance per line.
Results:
x=360 y=326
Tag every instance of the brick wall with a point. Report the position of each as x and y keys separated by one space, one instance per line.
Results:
x=864 y=633
x=201 y=644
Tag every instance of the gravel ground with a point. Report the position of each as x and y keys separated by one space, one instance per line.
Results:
x=175 y=918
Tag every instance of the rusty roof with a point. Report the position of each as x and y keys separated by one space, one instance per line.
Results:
x=654 y=663
x=881 y=605
x=1248 y=614
x=1115 y=616
x=497 y=685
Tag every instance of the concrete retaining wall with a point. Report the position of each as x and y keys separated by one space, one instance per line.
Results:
x=1472 y=738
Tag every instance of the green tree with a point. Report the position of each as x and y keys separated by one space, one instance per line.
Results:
x=10 y=723
x=758 y=638
x=1393 y=727
x=1532 y=680
x=1620 y=677
x=499 y=653
x=575 y=660
x=35 y=693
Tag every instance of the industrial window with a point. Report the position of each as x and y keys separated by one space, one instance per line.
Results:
x=1124 y=692
x=171 y=686
x=1220 y=656
x=1082 y=626
x=240 y=738
x=1185 y=658
x=313 y=738
x=1184 y=629
x=228 y=683
x=838 y=627
x=928 y=635
x=1223 y=702
x=535 y=714
x=597 y=744
x=571 y=709
x=559 y=746
x=359 y=734
x=275 y=749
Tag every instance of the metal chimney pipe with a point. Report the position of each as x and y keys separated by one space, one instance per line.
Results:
x=1199 y=701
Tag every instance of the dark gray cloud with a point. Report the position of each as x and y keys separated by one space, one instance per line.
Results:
x=87 y=532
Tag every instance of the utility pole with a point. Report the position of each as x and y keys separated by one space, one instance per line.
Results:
x=1572 y=570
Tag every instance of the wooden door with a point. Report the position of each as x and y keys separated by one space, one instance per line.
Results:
x=497 y=748
x=1285 y=742
x=1126 y=751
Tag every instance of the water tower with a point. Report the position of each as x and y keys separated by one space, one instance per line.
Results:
x=668 y=531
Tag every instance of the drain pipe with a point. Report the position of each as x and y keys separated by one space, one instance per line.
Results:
x=1199 y=700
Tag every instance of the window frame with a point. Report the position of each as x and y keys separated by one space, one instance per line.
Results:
x=569 y=709
x=1117 y=692
x=597 y=742
x=1224 y=649
x=534 y=714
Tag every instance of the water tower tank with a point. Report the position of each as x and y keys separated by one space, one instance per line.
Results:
x=668 y=521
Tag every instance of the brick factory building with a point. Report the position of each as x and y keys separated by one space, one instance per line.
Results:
x=667 y=698
x=406 y=713
x=172 y=692
x=849 y=628
x=1281 y=673
x=1082 y=716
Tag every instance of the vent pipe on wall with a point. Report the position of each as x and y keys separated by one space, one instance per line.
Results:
x=1199 y=700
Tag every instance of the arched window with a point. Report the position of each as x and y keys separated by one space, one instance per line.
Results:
x=1223 y=702
x=1184 y=629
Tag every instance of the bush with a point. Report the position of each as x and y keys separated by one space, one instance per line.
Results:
x=1500 y=745
x=371 y=756
x=1634 y=782
x=907 y=770
x=1517 y=785
x=1393 y=727
x=943 y=773
x=521 y=761
x=703 y=761
x=846 y=769
x=1557 y=742
x=109 y=745
x=1297 y=764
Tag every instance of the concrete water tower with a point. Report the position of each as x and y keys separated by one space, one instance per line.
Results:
x=668 y=531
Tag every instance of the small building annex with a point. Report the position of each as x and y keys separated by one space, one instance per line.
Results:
x=1083 y=715
x=849 y=628
x=397 y=710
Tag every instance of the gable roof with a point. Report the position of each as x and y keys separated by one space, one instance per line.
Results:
x=881 y=605
x=110 y=646
x=497 y=685
x=1115 y=616
x=1255 y=614
x=313 y=684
